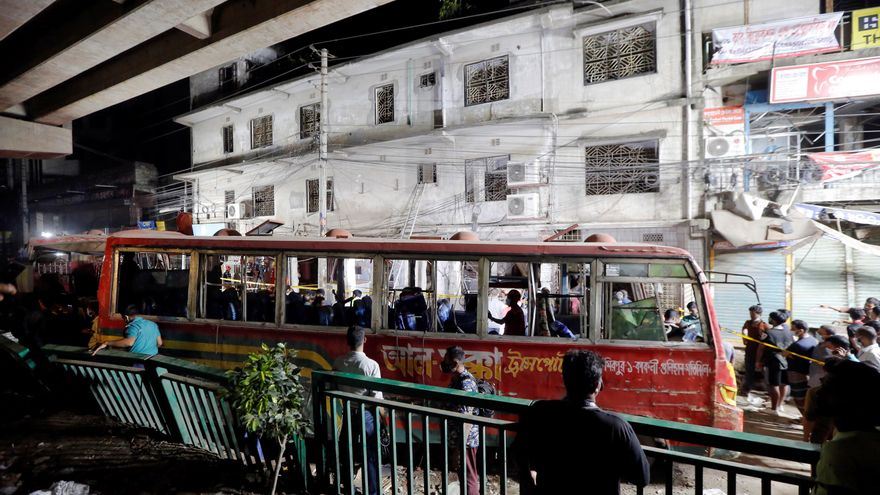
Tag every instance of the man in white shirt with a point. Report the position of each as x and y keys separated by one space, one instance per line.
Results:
x=356 y=362
x=870 y=351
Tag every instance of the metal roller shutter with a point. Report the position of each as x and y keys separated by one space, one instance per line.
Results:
x=819 y=277
x=867 y=276
x=732 y=301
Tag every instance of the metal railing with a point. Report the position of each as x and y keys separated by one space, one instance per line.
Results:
x=425 y=431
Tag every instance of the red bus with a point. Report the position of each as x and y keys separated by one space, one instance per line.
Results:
x=216 y=299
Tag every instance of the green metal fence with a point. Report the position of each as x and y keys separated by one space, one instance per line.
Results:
x=422 y=427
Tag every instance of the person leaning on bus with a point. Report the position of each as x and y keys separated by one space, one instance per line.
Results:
x=141 y=336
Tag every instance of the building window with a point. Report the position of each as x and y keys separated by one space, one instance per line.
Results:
x=622 y=168
x=261 y=132
x=487 y=81
x=264 y=201
x=312 y=188
x=620 y=54
x=228 y=199
x=226 y=76
x=428 y=173
x=385 y=104
x=486 y=179
x=309 y=120
x=427 y=80
x=227 y=139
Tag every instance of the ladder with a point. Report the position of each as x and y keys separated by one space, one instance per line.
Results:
x=412 y=211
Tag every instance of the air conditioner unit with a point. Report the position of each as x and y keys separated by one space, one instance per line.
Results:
x=725 y=146
x=523 y=205
x=233 y=210
x=523 y=173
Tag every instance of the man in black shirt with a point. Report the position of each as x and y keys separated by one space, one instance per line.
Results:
x=572 y=446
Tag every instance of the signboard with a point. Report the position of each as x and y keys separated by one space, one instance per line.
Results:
x=724 y=132
x=777 y=39
x=838 y=165
x=816 y=212
x=724 y=116
x=825 y=81
x=865 y=28
x=147 y=224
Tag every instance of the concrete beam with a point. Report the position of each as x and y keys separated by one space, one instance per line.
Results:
x=198 y=26
x=240 y=27
x=68 y=41
x=15 y=13
x=22 y=139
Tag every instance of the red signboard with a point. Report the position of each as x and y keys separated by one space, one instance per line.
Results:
x=826 y=81
x=723 y=116
x=837 y=165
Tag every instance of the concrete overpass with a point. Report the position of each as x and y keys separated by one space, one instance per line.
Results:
x=64 y=59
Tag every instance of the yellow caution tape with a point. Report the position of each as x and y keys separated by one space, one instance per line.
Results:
x=765 y=344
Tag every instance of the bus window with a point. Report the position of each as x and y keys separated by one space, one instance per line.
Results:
x=322 y=290
x=645 y=303
x=410 y=297
x=259 y=279
x=457 y=292
x=510 y=292
x=561 y=305
x=157 y=283
x=222 y=287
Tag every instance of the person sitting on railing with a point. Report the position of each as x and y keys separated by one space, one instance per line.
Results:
x=141 y=336
x=357 y=362
x=608 y=449
x=462 y=379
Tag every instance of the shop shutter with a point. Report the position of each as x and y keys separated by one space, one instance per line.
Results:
x=732 y=301
x=819 y=277
x=867 y=276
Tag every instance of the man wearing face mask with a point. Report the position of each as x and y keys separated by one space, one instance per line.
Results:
x=142 y=336
x=462 y=379
x=514 y=321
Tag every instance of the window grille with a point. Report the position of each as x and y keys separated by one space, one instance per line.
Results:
x=226 y=76
x=574 y=235
x=227 y=139
x=312 y=188
x=487 y=81
x=492 y=171
x=264 y=201
x=652 y=237
x=428 y=173
x=620 y=54
x=622 y=168
x=261 y=132
x=427 y=80
x=309 y=120
x=385 y=104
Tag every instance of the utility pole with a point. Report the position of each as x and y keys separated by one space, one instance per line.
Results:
x=25 y=234
x=322 y=182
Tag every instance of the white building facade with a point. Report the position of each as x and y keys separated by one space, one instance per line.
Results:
x=516 y=129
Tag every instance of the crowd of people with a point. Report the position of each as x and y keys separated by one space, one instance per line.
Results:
x=832 y=375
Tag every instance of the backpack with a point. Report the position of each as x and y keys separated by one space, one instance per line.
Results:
x=485 y=387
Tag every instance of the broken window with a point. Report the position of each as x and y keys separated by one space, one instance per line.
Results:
x=622 y=168
x=261 y=132
x=312 y=188
x=309 y=120
x=620 y=54
x=428 y=173
x=487 y=81
x=227 y=139
x=486 y=179
x=385 y=104
x=264 y=201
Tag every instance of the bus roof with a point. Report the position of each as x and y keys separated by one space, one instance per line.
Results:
x=140 y=238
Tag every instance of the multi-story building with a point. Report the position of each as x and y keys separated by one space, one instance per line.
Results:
x=583 y=113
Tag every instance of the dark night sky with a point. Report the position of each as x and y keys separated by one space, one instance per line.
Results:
x=142 y=129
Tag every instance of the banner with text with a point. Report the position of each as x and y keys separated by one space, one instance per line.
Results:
x=825 y=81
x=778 y=39
x=838 y=165
x=865 y=28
